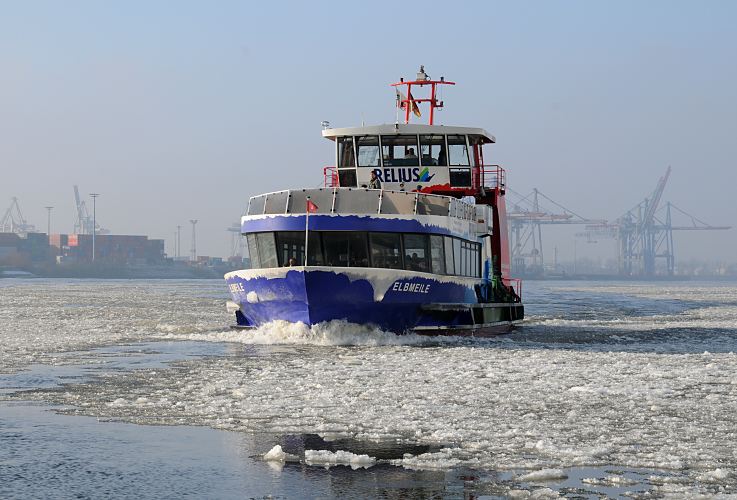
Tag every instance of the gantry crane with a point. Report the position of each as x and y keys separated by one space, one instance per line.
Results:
x=526 y=218
x=84 y=222
x=645 y=234
x=236 y=240
x=13 y=220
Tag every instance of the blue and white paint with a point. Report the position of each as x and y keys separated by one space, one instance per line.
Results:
x=388 y=298
x=430 y=224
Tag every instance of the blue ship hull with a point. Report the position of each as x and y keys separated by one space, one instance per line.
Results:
x=396 y=301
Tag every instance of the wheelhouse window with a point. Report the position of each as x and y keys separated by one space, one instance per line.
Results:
x=346 y=157
x=458 y=151
x=399 y=151
x=386 y=250
x=416 y=254
x=432 y=149
x=368 y=150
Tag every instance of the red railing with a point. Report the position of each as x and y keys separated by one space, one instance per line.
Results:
x=489 y=176
x=330 y=177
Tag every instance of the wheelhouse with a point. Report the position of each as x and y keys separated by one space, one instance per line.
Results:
x=426 y=158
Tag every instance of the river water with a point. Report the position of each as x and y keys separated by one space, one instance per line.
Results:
x=139 y=389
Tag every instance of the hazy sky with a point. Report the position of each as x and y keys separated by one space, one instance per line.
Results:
x=179 y=110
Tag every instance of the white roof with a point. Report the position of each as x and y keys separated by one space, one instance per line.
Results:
x=402 y=128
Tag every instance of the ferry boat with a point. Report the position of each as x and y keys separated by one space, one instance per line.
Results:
x=408 y=234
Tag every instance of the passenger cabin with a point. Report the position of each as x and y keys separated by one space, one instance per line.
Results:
x=433 y=159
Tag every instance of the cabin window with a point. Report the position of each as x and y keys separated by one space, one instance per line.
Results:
x=448 y=244
x=345 y=249
x=346 y=158
x=335 y=246
x=291 y=245
x=314 y=252
x=432 y=149
x=437 y=259
x=399 y=151
x=467 y=258
x=412 y=251
x=386 y=250
x=253 y=250
x=416 y=252
x=368 y=150
x=459 y=177
x=266 y=250
x=347 y=177
x=457 y=254
x=458 y=151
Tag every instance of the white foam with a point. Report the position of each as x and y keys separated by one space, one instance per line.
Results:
x=332 y=333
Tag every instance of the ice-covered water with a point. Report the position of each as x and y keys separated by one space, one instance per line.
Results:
x=618 y=388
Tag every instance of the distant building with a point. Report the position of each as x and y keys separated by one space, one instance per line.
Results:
x=109 y=248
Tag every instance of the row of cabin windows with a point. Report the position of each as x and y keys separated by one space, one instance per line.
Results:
x=413 y=252
x=403 y=151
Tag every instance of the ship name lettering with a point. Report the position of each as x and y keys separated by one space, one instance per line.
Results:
x=236 y=287
x=411 y=287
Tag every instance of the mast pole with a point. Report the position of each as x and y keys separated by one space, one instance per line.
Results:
x=307 y=227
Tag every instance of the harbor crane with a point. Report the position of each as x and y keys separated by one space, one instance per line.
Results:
x=644 y=234
x=84 y=223
x=236 y=240
x=13 y=220
x=526 y=218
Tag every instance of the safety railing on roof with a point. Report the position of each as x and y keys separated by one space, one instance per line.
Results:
x=489 y=176
x=359 y=201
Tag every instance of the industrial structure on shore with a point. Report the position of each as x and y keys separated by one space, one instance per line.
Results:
x=643 y=234
x=91 y=250
x=643 y=237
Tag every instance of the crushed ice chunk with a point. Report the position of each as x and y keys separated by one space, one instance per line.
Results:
x=714 y=476
x=543 y=475
x=276 y=454
x=340 y=457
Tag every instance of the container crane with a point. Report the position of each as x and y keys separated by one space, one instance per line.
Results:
x=525 y=229
x=645 y=233
x=13 y=220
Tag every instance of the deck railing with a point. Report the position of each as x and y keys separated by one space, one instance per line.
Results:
x=360 y=201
